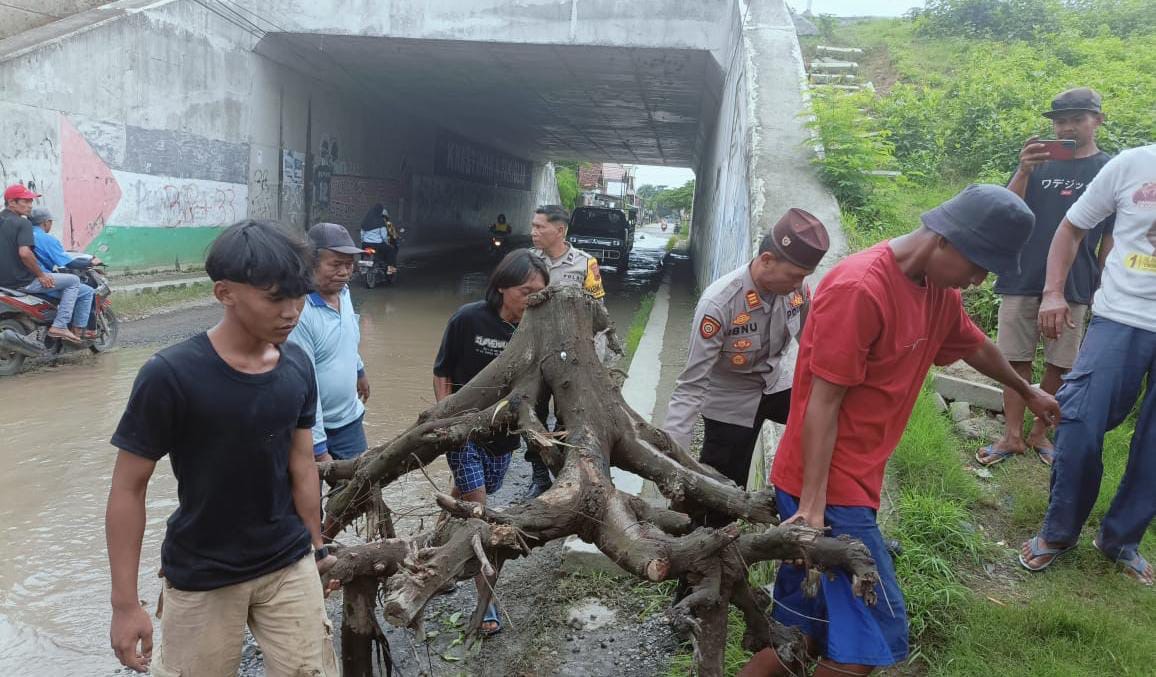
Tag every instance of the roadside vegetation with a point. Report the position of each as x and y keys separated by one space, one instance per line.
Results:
x=137 y=306
x=959 y=88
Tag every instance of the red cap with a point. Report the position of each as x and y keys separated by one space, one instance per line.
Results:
x=18 y=192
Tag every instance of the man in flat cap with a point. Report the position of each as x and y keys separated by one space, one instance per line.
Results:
x=1049 y=186
x=742 y=327
x=879 y=320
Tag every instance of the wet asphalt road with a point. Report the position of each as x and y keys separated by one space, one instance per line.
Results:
x=57 y=421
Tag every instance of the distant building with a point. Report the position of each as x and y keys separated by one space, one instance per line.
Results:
x=607 y=184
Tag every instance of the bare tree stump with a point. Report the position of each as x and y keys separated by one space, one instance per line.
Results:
x=552 y=352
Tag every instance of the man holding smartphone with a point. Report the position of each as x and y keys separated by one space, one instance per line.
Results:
x=1051 y=176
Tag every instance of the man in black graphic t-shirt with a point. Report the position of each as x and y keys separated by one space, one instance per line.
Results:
x=1050 y=187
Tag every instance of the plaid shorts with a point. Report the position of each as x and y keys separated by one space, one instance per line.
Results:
x=474 y=467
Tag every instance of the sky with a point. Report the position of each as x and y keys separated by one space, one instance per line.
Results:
x=671 y=177
x=857 y=7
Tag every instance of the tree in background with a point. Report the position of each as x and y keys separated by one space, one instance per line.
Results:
x=674 y=200
x=566 y=174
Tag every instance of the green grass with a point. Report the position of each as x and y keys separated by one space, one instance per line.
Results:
x=638 y=325
x=133 y=306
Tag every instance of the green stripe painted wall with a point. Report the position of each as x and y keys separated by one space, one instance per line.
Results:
x=137 y=247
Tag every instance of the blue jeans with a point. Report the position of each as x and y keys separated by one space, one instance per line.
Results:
x=1097 y=395
x=75 y=299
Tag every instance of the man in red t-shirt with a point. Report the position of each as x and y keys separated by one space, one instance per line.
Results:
x=878 y=321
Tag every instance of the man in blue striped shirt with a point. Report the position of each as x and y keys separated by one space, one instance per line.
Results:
x=328 y=331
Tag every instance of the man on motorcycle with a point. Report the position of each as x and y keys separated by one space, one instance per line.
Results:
x=51 y=256
x=19 y=268
x=501 y=228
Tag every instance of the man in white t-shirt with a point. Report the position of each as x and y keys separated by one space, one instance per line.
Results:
x=1119 y=351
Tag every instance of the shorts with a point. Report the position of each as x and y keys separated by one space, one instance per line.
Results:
x=203 y=632
x=475 y=467
x=848 y=631
x=348 y=441
x=1019 y=333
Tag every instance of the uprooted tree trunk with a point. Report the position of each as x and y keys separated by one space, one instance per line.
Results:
x=553 y=353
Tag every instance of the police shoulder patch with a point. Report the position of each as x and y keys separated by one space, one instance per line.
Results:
x=753 y=300
x=709 y=327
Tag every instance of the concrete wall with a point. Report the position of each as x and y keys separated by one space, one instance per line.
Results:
x=17 y=16
x=151 y=124
x=757 y=163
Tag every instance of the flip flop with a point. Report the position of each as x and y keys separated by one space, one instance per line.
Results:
x=1046 y=456
x=66 y=335
x=491 y=617
x=1036 y=551
x=995 y=456
x=1134 y=568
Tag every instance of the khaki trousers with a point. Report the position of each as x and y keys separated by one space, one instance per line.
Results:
x=202 y=632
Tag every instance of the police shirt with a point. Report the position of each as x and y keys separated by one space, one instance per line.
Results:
x=575 y=268
x=736 y=345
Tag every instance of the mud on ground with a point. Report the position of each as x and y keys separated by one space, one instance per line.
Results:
x=553 y=623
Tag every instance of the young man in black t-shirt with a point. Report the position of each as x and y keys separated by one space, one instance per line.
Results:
x=1050 y=187
x=232 y=408
x=476 y=334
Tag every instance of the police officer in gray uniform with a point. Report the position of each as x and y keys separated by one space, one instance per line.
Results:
x=569 y=267
x=742 y=327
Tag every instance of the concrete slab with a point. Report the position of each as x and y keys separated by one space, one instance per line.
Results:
x=153 y=286
x=978 y=394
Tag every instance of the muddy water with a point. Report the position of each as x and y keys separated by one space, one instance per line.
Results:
x=56 y=462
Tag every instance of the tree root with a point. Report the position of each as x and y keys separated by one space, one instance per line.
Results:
x=552 y=354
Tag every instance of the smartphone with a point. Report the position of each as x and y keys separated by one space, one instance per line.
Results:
x=1059 y=149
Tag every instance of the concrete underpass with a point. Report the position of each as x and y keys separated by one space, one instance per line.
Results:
x=150 y=125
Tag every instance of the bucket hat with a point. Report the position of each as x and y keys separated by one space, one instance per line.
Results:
x=988 y=224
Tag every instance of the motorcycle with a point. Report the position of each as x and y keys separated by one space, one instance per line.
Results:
x=497 y=246
x=25 y=319
x=374 y=267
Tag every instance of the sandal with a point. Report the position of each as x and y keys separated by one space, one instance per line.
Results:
x=1047 y=456
x=1037 y=551
x=1134 y=568
x=65 y=335
x=994 y=456
x=490 y=617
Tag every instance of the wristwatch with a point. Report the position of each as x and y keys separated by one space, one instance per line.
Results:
x=321 y=553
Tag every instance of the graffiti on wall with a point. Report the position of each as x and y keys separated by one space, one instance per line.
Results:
x=262 y=195
x=323 y=170
x=352 y=196
x=96 y=176
x=292 y=187
x=460 y=158
x=30 y=151
x=166 y=202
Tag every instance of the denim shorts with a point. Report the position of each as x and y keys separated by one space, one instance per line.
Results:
x=348 y=441
x=474 y=467
x=844 y=628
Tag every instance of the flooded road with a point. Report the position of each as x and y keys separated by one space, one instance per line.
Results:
x=57 y=463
